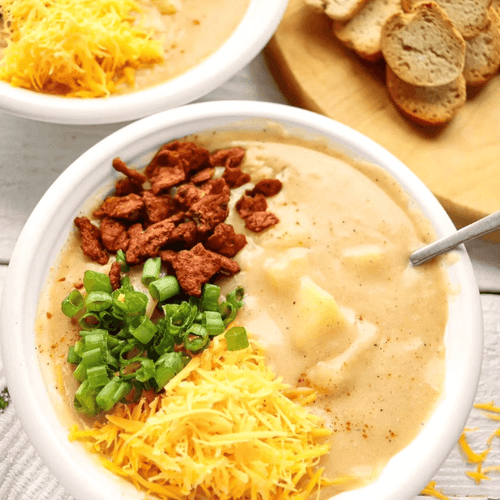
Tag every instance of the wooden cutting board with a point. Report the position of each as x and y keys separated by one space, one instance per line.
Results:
x=459 y=162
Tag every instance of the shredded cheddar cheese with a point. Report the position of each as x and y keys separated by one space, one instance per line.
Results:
x=430 y=490
x=75 y=48
x=472 y=456
x=224 y=428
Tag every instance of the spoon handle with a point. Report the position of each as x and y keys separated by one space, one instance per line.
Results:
x=467 y=233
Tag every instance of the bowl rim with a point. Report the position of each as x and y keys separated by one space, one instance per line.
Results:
x=24 y=379
x=254 y=31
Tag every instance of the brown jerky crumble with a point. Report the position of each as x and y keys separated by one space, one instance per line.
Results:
x=115 y=275
x=180 y=217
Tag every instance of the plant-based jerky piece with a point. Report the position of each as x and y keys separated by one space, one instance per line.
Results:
x=144 y=244
x=225 y=241
x=91 y=240
x=114 y=234
x=258 y=221
x=197 y=266
x=129 y=207
x=212 y=208
x=115 y=275
x=229 y=158
x=246 y=205
x=267 y=187
x=158 y=207
x=134 y=175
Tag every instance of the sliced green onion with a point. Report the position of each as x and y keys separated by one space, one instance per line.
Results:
x=94 y=281
x=210 y=297
x=196 y=338
x=113 y=342
x=89 y=321
x=213 y=323
x=130 y=302
x=143 y=329
x=73 y=303
x=73 y=357
x=98 y=340
x=236 y=338
x=236 y=297
x=80 y=372
x=85 y=400
x=151 y=270
x=168 y=366
x=93 y=357
x=112 y=392
x=98 y=301
x=97 y=376
x=146 y=371
x=110 y=321
x=79 y=347
x=164 y=288
x=111 y=361
x=122 y=260
x=228 y=312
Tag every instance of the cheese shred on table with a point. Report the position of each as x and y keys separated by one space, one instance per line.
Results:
x=224 y=428
x=75 y=48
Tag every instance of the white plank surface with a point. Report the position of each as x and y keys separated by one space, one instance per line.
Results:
x=33 y=154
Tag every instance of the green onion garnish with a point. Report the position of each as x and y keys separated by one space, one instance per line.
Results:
x=164 y=288
x=210 y=297
x=196 y=338
x=85 y=400
x=213 y=322
x=120 y=349
x=98 y=301
x=94 y=281
x=236 y=297
x=89 y=321
x=122 y=260
x=97 y=376
x=115 y=390
x=143 y=329
x=151 y=270
x=73 y=303
x=169 y=365
x=236 y=338
x=73 y=358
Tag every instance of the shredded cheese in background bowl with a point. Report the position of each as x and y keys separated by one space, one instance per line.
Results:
x=225 y=427
x=75 y=48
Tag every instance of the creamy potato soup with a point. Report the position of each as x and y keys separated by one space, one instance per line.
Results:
x=329 y=294
x=194 y=32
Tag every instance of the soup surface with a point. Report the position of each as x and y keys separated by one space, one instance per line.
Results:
x=330 y=295
x=189 y=36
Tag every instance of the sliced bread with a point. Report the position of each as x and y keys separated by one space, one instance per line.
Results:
x=470 y=17
x=482 y=54
x=423 y=47
x=339 y=10
x=362 y=32
x=427 y=105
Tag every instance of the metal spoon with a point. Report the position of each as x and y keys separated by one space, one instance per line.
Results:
x=467 y=233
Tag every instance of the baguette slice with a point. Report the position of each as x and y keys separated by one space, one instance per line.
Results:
x=423 y=47
x=427 y=105
x=470 y=17
x=362 y=33
x=339 y=10
x=482 y=54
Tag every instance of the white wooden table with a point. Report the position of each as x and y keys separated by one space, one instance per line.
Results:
x=33 y=154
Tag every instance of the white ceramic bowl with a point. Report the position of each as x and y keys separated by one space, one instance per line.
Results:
x=252 y=34
x=47 y=228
